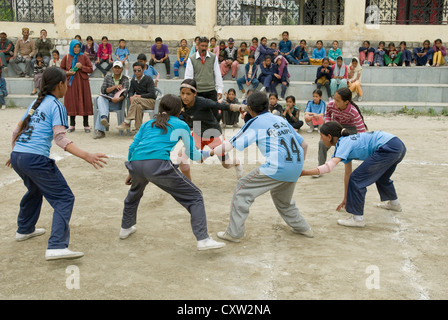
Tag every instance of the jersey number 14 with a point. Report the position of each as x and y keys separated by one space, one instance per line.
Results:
x=291 y=151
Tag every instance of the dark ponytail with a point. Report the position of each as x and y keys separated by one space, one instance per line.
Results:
x=170 y=105
x=346 y=95
x=51 y=77
x=334 y=129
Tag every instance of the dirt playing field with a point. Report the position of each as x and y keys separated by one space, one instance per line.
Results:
x=396 y=256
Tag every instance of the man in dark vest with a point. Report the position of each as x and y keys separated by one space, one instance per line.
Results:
x=204 y=68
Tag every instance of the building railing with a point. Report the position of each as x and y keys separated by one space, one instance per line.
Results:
x=27 y=11
x=410 y=12
x=177 y=12
x=280 y=12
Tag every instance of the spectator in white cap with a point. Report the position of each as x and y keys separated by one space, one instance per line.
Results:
x=113 y=92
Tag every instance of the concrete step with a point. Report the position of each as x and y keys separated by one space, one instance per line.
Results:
x=395 y=75
x=23 y=101
x=302 y=90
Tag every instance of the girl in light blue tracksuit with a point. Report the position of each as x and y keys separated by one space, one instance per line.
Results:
x=380 y=152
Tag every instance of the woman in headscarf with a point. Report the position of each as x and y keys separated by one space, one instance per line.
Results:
x=281 y=76
x=78 y=99
x=354 y=78
x=340 y=72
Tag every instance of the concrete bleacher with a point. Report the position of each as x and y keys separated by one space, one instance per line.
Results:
x=386 y=89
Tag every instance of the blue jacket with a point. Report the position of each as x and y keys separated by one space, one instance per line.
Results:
x=285 y=47
x=319 y=54
x=254 y=72
x=320 y=74
x=300 y=53
x=284 y=75
x=266 y=71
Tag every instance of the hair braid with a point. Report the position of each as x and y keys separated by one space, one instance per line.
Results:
x=50 y=79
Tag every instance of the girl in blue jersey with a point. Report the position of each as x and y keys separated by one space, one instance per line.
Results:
x=46 y=120
x=149 y=161
x=380 y=151
x=285 y=152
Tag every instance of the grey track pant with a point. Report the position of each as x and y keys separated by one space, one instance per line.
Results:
x=255 y=184
x=166 y=176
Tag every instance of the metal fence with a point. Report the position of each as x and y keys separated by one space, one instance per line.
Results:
x=27 y=11
x=408 y=12
x=177 y=12
x=280 y=12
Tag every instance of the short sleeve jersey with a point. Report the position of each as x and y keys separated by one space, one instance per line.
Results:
x=277 y=141
x=360 y=146
x=39 y=136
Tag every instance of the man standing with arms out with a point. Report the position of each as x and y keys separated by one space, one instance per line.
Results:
x=24 y=51
x=107 y=102
x=204 y=68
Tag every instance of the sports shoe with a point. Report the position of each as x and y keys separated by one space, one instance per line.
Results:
x=124 y=126
x=388 y=206
x=99 y=135
x=209 y=243
x=3 y=107
x=308 y=233
x=316 y=176
x=104 y=122
x=23 y=237
x=225 y=236
x=239 y=171
x=351 y=222
x=310 y=130
x=125 y=233
x=56 y=254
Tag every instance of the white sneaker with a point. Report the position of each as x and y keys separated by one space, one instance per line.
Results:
x=23 y=237
x=263 y=89
x=308 y=233
x=209 y=243
x=56 y=254
x=125 y=233
x=244 y=96
x=239 y=171
x=310 y=130
x=351 y=222
x=225 y=236
x=315 y=176
x=3 y=107
x=388 y=206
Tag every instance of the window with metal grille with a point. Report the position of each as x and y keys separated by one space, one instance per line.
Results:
x=177 y=12
x=410 y=12
x=27 y=11
x=280 y=12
